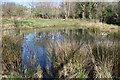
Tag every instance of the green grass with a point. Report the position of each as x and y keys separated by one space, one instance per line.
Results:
x=26 y=24
x=12 y=76
x=43 y=21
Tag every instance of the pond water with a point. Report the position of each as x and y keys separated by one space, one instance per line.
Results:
x=34 y=49
x=34 y=46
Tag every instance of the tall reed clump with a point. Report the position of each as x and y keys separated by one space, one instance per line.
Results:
x=104 y=57
x=11 y=56
x=69 y=58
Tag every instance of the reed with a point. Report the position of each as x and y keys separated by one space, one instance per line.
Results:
x=69 y=58
x=104 y=57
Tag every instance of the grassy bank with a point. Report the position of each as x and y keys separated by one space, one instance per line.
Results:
x=56 y=23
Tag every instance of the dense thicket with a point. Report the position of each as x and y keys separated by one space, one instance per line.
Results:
x=105 y=12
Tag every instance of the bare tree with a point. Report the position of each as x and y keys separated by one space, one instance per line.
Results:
x=8 y=9
x=80 y=9
x=67 y=8
x=11 y=10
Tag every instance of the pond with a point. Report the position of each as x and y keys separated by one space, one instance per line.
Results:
x=44 y=49
x=34 y=46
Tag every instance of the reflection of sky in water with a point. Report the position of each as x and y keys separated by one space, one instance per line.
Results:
x=31 y=47
x=35 y=44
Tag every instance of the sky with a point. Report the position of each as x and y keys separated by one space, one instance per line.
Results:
x=27 y=2
x=58 y=2
x=31 y=0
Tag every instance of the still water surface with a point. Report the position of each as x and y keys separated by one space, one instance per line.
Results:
x=34 y=46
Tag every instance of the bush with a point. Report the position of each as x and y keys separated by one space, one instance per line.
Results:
x=109 y=15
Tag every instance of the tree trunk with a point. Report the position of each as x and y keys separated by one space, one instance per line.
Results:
x=83 y=11
x=68 y=9
x=65 y=10
x=83 y=15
